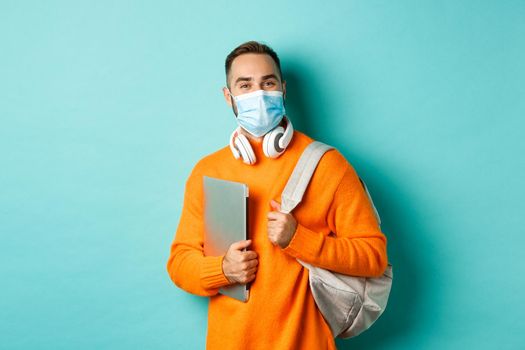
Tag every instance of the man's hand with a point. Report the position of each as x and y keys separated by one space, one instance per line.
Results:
x=240 y=266
x=281 y=226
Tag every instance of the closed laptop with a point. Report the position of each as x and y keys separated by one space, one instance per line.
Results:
x=225 y=222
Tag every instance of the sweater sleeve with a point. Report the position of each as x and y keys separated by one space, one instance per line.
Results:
x=187 y=266
x=356 y=245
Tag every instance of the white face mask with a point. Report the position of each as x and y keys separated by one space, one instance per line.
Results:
x=259 y=111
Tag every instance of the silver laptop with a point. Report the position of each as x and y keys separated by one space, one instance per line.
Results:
x=225 y=222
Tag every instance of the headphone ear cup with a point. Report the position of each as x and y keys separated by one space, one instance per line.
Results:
x=244 y=147
x=271 y=147
x=233 y=146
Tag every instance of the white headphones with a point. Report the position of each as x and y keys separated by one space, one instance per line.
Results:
x=274 y=143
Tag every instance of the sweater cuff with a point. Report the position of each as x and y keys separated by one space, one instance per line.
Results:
x=305 y=244
x=212 y=276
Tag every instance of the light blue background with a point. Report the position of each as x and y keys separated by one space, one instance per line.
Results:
x=106 y=106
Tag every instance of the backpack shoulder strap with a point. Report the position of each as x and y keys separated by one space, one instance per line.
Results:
x=371 y=201
x=301 y=175
x=296 y=186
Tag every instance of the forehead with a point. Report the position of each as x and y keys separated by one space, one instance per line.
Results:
x=252 y=65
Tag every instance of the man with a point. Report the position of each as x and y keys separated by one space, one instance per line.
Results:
x=334 y=227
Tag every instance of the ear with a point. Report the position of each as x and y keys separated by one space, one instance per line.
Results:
x=284 y=89
x=227 y=96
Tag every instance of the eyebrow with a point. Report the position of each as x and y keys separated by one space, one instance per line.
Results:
x=264 y=77
x=268 y=76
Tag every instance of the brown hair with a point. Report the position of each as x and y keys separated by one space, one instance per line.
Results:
x=251 y=47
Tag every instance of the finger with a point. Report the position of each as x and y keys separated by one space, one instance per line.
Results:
x=249 y=255
x=275 y=226
x=274 y=215
x=276 y=205
x=251 y=264
x=241 y=244
x=248 y=279
x=251 y=271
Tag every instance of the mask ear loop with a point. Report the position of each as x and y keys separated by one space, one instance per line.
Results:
x=231 y=95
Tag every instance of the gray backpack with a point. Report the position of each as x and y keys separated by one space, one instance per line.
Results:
x=349 y=304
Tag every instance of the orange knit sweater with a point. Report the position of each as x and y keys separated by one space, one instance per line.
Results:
x=336 y=230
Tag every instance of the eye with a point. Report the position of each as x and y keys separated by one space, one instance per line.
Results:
x=270 y=83
x=244 y=86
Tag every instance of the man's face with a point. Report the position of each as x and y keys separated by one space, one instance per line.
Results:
x=250 y=72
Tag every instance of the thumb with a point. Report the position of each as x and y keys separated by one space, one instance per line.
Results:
x=275 y=205
x=241 y=244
